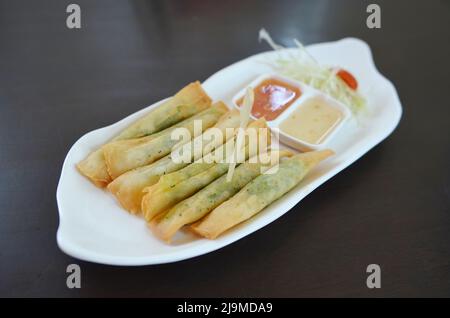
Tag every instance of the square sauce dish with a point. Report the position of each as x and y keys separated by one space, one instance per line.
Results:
x=303 y=117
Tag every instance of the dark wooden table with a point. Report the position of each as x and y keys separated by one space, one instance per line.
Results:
x=390 y=208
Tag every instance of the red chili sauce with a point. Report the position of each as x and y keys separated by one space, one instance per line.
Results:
x=272 y=97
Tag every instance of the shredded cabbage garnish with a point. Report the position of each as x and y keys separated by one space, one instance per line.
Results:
x=300 y=65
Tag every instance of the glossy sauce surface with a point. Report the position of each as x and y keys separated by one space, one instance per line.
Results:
x=272 y=97
x=312 y=122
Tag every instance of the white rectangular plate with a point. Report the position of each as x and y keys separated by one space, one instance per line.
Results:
x=93 y=227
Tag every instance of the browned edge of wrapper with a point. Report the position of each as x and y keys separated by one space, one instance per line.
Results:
x=98 y=181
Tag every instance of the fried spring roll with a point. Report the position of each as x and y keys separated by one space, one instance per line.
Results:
x=124 y=155
x=197 y=206
x=170 y=180
x=186 y=103
x=187 y=181
x=128 y=187
x=258 y=194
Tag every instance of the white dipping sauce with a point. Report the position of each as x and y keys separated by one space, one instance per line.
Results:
x=312 y=121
